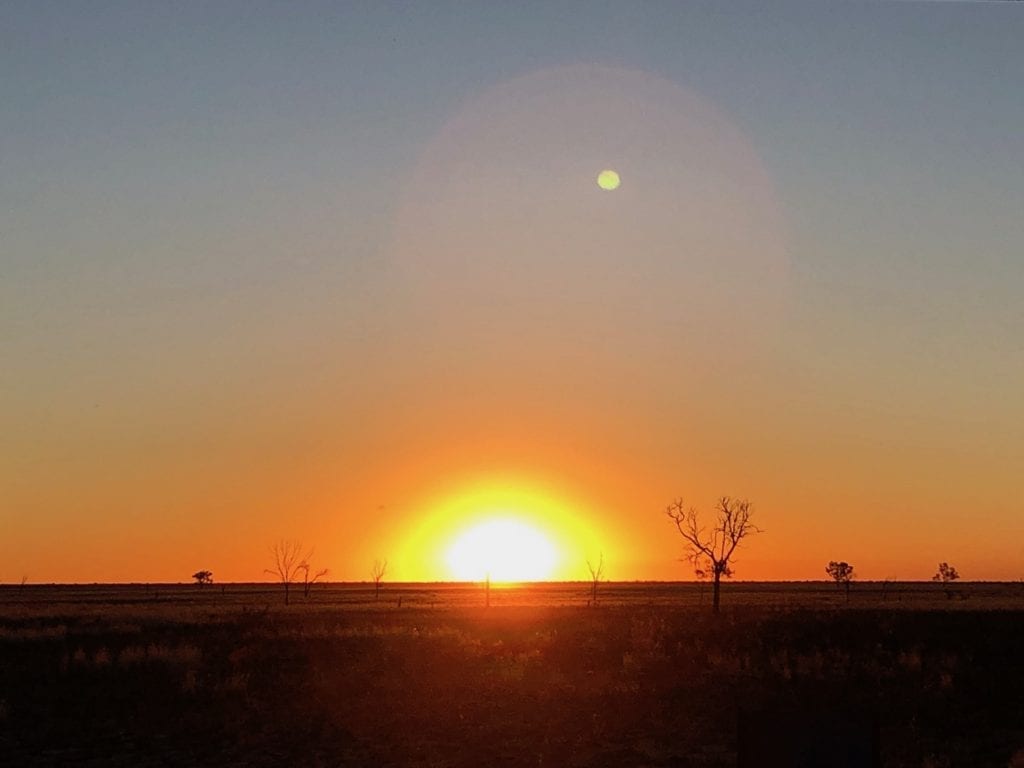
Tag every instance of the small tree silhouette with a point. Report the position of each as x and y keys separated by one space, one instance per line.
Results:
x=380 y=567
x=842 y=573
x=596 y=572
x=946 y=574
x=712 y=551
x=309 y=580
x=203 y=577
x=288 y=562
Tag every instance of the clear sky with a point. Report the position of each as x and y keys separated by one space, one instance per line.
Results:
x=342 y=273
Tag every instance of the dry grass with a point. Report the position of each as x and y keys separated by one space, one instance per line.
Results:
x=648 y=677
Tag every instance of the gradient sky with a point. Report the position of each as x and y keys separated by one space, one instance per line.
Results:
x=341 y=273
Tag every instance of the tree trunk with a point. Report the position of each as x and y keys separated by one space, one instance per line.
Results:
x=715 y=593
x=286 y=593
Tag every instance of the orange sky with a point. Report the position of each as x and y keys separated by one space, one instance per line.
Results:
x=524 y=340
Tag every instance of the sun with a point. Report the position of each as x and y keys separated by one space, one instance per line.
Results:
x=515 y=528
x=502 y=549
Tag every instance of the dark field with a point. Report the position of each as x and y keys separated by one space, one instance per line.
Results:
x=182 y=675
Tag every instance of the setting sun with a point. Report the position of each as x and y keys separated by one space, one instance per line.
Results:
x=502 y=549
x=513 y=527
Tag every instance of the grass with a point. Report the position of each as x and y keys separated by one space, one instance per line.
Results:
x=130 y=675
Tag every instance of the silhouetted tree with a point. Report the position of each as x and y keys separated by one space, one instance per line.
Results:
x=203 y=577
x=309 y=578
x=842 y=573
x=596 y=572
x=288 y=562
x=380 y=567
x=946 y=574
x=712 y=550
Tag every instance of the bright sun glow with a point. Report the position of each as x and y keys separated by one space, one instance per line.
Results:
x=515 y=528
x=502 y=549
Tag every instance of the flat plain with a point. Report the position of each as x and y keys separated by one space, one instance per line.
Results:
x=428 y=675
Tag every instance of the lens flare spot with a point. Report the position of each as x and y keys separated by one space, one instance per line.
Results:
x=608 y=180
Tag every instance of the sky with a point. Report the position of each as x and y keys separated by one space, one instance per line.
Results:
x=341 y=273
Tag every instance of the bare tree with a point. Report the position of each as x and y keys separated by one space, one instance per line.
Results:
x=289 y=560
x=380 y=567
x=842 y=573
x=309 y=578
x=946 y=574
x=712 y=550
x=203 y=577
x=596 y=572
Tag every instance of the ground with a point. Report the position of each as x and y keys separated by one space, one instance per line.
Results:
x=429 y=676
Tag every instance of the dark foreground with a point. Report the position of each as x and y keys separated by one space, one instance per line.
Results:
x=187 y=676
